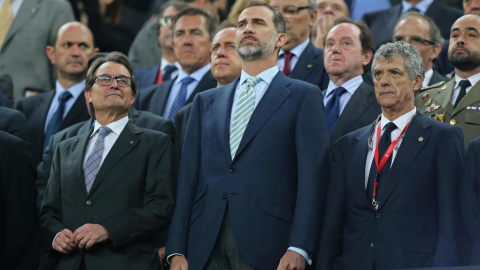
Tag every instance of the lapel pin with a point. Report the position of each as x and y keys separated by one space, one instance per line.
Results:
x=309 y=66
x=420 y=139
x=131 y=142
x=425 y=96
x=33 y=10
x=444 y=87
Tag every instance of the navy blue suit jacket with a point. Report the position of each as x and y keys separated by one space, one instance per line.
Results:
x=310 y=67
x=417 y=223
x=154 y=98
x=274 y=188
x=147 y=76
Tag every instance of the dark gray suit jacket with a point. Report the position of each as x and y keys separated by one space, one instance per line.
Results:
x=14 y=122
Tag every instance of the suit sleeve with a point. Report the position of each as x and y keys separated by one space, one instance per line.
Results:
x=43 y=170
x=450 y=151
x=311 y=145
x=157 y=211
x=17 y=126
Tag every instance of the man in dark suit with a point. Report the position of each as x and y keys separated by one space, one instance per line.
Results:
x=422 y=32
x=299 y=58
x=382 y=23
x=168 y=67
x=49 y=112
x=193 y=30
x=13 y=122
x=123 y=193
x=349 y=101
x=233 y=208
x=18 y=221
x=403 y=212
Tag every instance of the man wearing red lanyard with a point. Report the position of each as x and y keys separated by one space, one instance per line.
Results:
x=392 y=200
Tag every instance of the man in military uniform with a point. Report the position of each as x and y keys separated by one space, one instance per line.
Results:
x=458 y=101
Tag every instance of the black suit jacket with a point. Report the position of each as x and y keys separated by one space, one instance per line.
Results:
x=131 y=197
x=417 y=222
x=18 y=220
x=361 y=110
x=310 y=67
x=13 y=122
x=181 y=120
x=382 y=23
x=154 y=98
x=36 y=109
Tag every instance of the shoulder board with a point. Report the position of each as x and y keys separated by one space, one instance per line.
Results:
x=428 y=87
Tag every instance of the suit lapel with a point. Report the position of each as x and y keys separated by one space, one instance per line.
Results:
x=275 y=95
x=79 y=151
x=127 y=140
x=74 y=114
x=160 y=97
x=410 y=147
x=359 y=155
x=26 y=12
x=306 y=63
x=471 y=97
x=221 y=108
x=207 y=82
x=40 y=116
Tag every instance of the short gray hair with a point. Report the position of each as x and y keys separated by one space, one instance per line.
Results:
x=411 y=56
x=435 y=34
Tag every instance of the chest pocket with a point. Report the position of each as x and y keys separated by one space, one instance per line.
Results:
x=472 y=117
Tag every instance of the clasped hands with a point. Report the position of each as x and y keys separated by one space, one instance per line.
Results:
x=84 y=237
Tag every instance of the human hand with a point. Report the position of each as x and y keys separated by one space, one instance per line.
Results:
x=292 y=260
x=89 y=234
x=65 y=242
x=179 y=262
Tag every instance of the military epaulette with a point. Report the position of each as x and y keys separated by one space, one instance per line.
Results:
x=429 y=87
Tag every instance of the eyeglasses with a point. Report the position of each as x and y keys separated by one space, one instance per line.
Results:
x=414 y=40
x=290 y=11
x=106 y=80
x=166 y=21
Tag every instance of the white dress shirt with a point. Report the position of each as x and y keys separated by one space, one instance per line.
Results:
x=456 y=89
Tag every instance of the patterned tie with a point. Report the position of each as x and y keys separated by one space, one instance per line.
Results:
x=286 y=67
x=92 y=165
x=383 y=144
x=332 y=110
x=57 y=118
x=181 y=97
x=463 y=91
x=243 y=111
x=6 y=18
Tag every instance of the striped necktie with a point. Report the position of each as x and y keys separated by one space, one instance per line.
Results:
x=243 y=111
x=92 y=165
x=6 y=18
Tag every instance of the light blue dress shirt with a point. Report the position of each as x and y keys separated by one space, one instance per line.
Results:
x=297 y=52
x=422 y=6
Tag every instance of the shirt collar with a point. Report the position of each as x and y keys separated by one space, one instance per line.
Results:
x=422 y=6
x=197 y=75
x=350 y=85
x=266 y=76
x=165 y=63
x=75 y=90
x=116 y=127
x=401 y=121
x=297 y=51
x=473 y=79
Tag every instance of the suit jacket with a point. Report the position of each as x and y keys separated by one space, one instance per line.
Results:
x=436 y=78
x=6 y=86
x=181 y=120
x=361 y=110
x=18 y=221
x=441 y=108
x=131 y=197
x=147 y=76
x=310 y=67
x=287 y=128
x=154 y=98
x=416 y=224
x=382 y=23
x=13 y=122
x=36 y=109
x=24 y=60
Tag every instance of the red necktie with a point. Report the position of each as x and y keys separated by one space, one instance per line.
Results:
x=286 y=67
x=159 y=76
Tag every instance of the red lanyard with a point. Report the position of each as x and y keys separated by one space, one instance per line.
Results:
x=385 y=156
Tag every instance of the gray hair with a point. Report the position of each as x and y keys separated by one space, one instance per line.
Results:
x=312 y=5
x=411 y=56
x=435 y=34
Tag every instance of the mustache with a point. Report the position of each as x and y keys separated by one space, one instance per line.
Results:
x=248 y=36
x=460 y=47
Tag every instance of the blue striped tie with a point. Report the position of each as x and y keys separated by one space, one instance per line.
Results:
x=181 y=97
x=92 y=164
x=243 y=112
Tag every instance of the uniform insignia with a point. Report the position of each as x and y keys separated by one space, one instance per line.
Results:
x=428 y=102
x=432 y=108
x=443 y=87
x=439 y=116
x=453 y=122
x=426 y=95
x=473 y=108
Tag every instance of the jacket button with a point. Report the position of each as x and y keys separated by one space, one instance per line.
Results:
x=372 y=245
x=378 y=215
x=231 y=170
x=453 y=122
x=88 y=202
x=224 y=196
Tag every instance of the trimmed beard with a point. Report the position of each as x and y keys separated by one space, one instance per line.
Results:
x=257 y=51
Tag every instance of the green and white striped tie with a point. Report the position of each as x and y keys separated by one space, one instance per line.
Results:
x=243 y=112
x=6 y=18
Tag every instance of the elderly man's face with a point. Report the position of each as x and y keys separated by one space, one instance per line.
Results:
x=111 y=99
x=332 y=8
x=226 y=64
x=464 y=48
x=393 y=88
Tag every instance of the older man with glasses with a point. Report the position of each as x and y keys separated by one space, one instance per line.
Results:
x=299 y=58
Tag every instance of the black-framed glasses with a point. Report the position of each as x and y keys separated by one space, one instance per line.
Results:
x=414 y=40
x=106 y=80
x=166 y=21
x=289 y=11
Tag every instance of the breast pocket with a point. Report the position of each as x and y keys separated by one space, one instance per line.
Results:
x=472 y=117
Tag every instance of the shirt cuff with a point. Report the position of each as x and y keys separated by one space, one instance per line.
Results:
x=53 y=242
x=169 y=257
x=303 y=253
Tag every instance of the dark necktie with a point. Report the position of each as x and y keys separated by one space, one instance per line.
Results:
x=181 y=97
x=332 y=110
x=383 y=144
x=57 y=118
x=463 y=91
x=287 y=67
x=168 y=72
x=413 y=9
